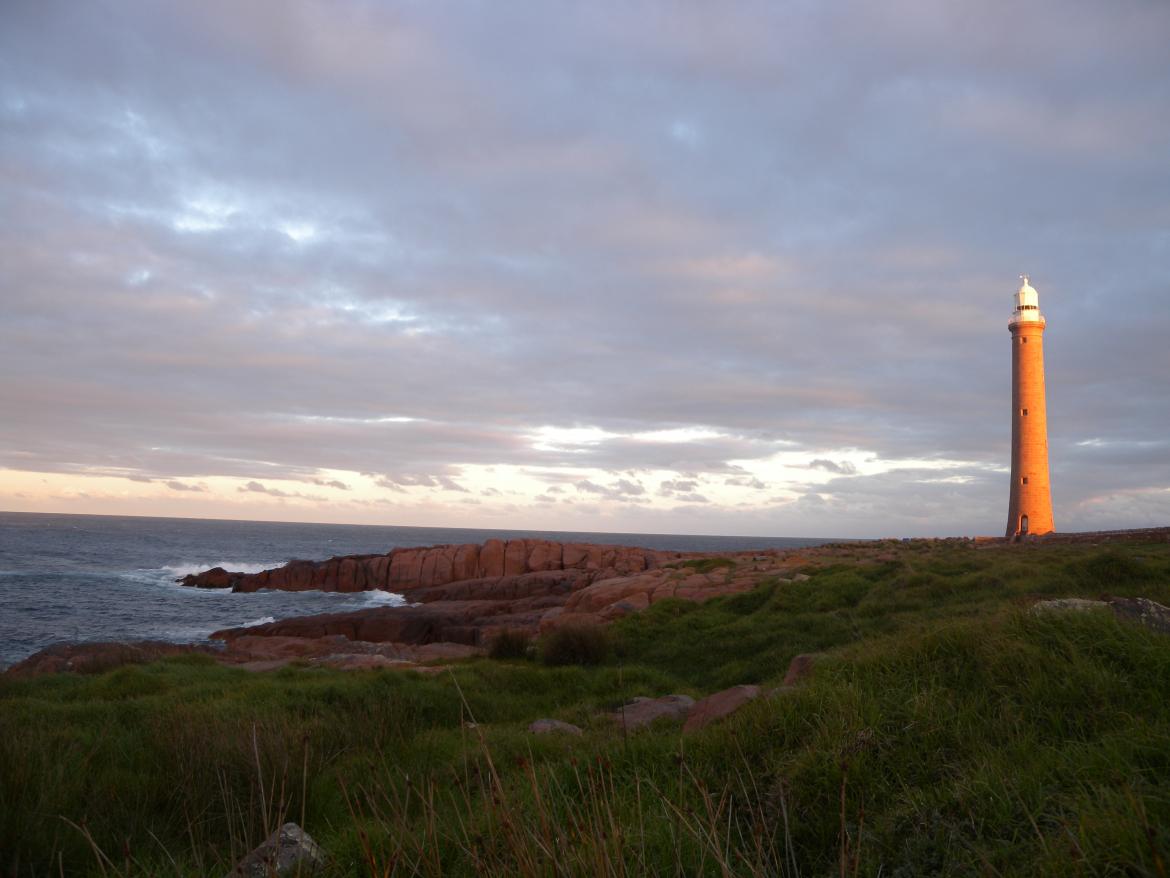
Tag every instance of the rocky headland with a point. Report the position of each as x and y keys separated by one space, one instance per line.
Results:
x=460 y=597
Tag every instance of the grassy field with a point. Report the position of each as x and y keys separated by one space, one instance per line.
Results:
x=947 y=732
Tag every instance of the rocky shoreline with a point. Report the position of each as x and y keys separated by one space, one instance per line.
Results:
x=461 y=597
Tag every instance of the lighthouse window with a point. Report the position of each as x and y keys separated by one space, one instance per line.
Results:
x=1024 y=412
x=1023 y=480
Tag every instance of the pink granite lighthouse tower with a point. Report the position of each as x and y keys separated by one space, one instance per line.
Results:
x=1030 y=504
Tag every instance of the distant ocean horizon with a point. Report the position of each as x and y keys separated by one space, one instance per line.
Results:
x=77 y=578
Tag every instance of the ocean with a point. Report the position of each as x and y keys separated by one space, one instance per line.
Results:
x=94 y=577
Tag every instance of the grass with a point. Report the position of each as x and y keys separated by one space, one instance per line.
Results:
x=704 y=565
x=575 y=645
x=948 y=732
x=510 y=644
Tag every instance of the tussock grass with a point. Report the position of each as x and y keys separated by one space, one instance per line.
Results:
x=575 y=645
x=948 y=732
x=511 y=644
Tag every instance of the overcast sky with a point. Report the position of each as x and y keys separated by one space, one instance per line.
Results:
x=690 y=267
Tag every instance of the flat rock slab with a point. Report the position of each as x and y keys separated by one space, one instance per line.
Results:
x=288 y=851
x=1067 y=605
x=358 y=662
x=551 y=726
x=642 y=711
x=716 y=707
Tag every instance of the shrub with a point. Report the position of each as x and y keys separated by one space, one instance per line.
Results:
x=510 y=644
x=575 y=645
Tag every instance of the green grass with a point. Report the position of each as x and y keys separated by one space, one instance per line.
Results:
x=947 y=732
x=575 y=645
x=704 y=565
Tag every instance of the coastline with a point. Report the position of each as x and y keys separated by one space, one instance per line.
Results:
x=982 y=684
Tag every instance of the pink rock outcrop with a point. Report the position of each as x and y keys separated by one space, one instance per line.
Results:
x=719 y=705
x=402 y=570
x=642 y=711
x=468 y=594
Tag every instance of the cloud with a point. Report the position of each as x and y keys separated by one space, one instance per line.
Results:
x=331 y=483
x=257 y=488
x=622 y=489
x=401 y=481
x=746 y=482
x=843 y=468
x=202 y=301
x=176 y=485
x=254 y=487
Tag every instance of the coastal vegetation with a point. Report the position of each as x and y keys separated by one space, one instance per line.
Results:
x=947 y=730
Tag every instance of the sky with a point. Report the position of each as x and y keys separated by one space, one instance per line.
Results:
x=685 y=267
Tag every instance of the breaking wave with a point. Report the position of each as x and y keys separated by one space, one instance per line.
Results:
x=379 y=598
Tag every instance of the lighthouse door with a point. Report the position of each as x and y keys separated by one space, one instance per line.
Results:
x=1023 y=524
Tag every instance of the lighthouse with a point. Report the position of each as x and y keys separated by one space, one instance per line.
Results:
x=1030 y=506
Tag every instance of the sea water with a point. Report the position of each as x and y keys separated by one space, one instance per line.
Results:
x=83 y=578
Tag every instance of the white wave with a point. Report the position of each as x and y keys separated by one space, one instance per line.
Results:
x=180 y=570
x=263 y=620
x=379 y=598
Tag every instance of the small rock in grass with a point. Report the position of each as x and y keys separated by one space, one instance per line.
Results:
x=717 y=706
x=548 y=726
x=287 y=851
x=643 y=711
x=801 y=577
x=1061 y=605
x=1143 y=611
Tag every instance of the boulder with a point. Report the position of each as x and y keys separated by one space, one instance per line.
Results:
x=466 y=563
x=516 y=558
x=545 y=555
x=574 y=555
x=643 y=711
x=491 y=559
x=549 y=726
x=216 y=577
x=1143 y=611
x=287 y=851
x=405 y=566
x=716 y=707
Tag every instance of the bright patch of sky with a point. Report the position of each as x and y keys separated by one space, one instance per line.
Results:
x=301 y=233
x=549 y=438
